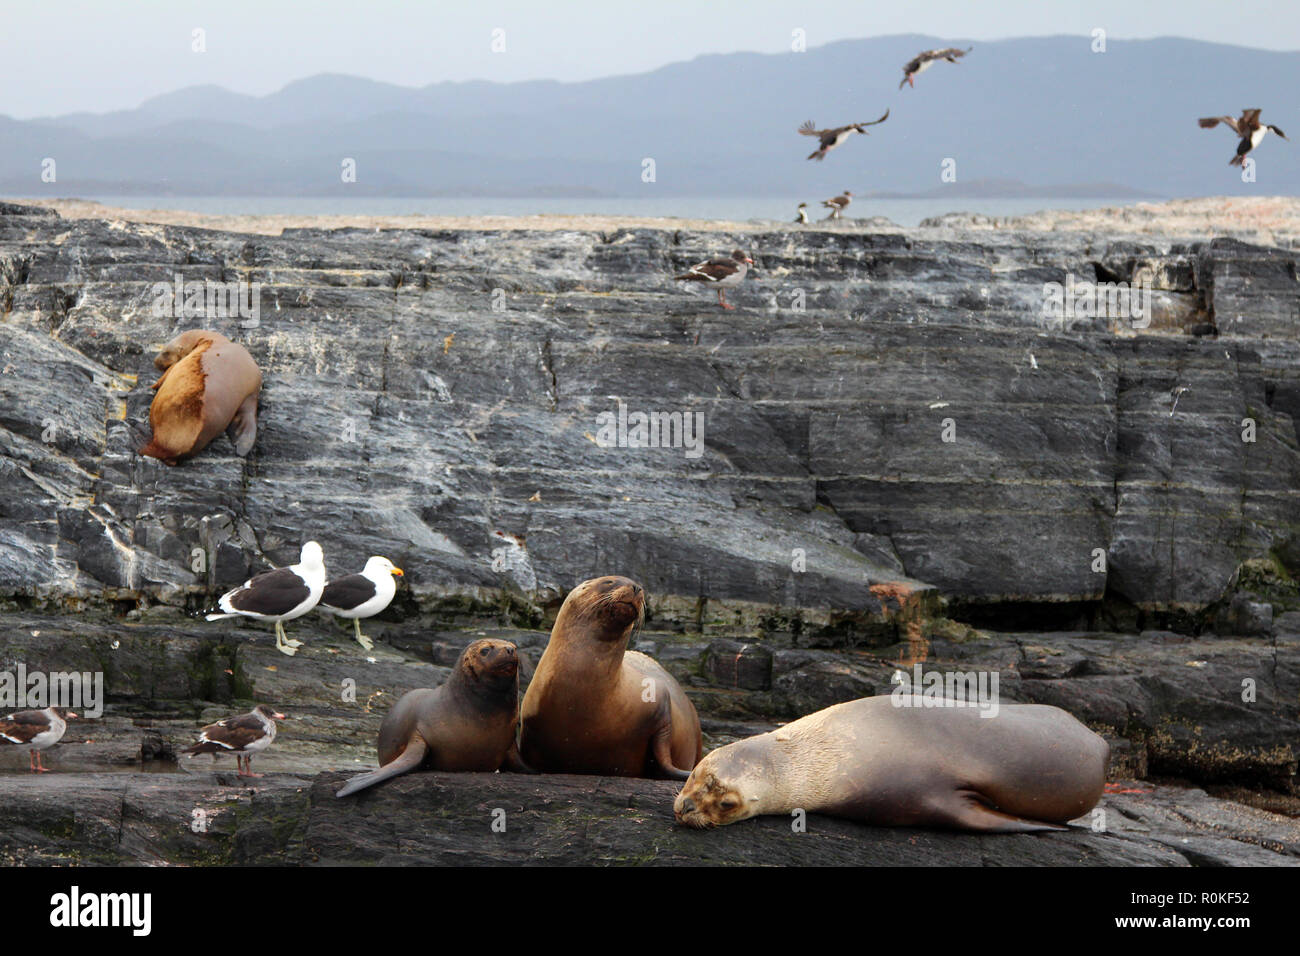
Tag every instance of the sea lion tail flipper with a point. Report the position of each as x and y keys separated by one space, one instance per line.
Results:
x=515 y=763
x=661 y=744
x=242 y=430
x=409 y=759
x=967 y=810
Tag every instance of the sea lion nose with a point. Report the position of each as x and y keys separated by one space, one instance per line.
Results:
x=687 y=806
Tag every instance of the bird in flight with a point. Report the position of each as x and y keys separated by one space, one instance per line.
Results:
x=923 y=61
x=1247 y=126
x=830 y=138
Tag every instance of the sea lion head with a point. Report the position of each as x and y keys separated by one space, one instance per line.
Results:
x=183 y=345
x=610 y=608
x=723 y=788
x=490 y=664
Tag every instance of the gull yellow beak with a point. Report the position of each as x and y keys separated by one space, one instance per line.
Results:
x=397 y=572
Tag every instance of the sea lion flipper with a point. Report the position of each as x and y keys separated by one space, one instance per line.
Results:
x=965 y=809
x=661 y=744
x=242 y=431
x=515 y=763
x=409 y=759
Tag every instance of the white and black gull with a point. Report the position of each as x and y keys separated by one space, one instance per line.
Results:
x=355 y=596
x=280 y=595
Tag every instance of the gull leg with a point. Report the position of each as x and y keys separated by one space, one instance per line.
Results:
x=364 y=641
x=40 y=766
x=722 y=299
x=280 y=644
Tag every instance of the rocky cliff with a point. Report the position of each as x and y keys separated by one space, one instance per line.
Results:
x=908 y=452
x=886 y=417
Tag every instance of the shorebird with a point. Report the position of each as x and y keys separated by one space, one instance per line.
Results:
x=722 y=272
x=280 y=595
x=830 y=138
x=1247 y=126
x=838 y=204
x=802 y=215
x=37 y=730
x=242 y=736
x=361 y=595
x=923 y=61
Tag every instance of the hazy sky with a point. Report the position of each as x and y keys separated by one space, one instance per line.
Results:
x=59 y=56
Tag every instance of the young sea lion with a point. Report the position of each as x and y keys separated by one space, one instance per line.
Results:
x=468 y=723
x=1031 y=767
x=209 y=385
x=595 y=707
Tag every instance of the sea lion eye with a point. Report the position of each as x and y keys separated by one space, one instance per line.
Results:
x=483 y=652
x=728 y=804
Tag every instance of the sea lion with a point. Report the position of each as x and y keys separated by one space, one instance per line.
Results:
x=1031 y=767
x=595 y=707
x=467 y=723
x=209 y=385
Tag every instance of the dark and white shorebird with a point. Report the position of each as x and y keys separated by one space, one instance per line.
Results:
x=838 y=204
x=242 y=736
x=923 y=61
x=1247 y=126
x=830 y=138
x=721 y=272
x=280 y=595
x=361 y=595
x=36 y=730
x=802 y=213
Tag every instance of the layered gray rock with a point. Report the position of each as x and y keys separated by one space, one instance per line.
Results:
x=434 y=396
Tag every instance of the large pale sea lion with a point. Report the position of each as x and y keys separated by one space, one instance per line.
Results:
x=1030 y=767
x=209 y=385
x=595 y=707
x=467 y=723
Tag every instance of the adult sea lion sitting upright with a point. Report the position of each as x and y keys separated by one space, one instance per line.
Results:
x=1025 y=767
x=467 y=723
x=593 y=706
x=209 y=385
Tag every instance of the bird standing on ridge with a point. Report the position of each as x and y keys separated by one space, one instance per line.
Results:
x=802 y=214
x=1247 y=126
x=361 y=595
x=722 y=272
x=923 y=61
x=242 y=736
x=37 y=730
x=280 y=595
x=838 y=204
x=830 y=138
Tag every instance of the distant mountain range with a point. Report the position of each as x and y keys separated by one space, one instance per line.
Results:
x=1031 y=117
